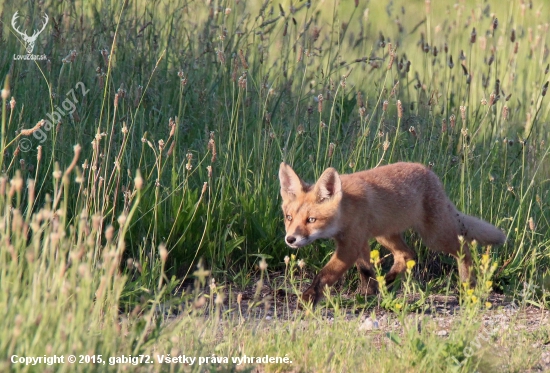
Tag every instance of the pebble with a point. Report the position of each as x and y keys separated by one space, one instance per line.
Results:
x=368 y=324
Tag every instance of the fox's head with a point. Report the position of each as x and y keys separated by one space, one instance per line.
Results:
x=310 y=211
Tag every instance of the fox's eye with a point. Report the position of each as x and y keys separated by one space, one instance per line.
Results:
x=289 y=217
x=311 y=220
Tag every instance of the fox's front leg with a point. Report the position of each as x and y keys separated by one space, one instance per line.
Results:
x=339 y=263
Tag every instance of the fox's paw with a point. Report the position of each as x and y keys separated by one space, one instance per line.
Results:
x=368 y=289
x=308 y=297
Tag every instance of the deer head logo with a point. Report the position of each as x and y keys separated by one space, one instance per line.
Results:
x=29 y=40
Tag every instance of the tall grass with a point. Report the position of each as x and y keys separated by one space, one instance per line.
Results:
x=203 y=100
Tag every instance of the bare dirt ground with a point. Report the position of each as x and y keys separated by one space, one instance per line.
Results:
x=274 y=303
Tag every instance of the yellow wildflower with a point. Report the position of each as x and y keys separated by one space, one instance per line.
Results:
x=374 y=256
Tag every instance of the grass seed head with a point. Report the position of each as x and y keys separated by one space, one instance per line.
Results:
x=17 y=182
x=242 y=81
x=452 y=121
x=399 y=109
x=492 y=97
x=320 y=103
x=105 y=55
x=331 y=147
x=3 y=182
x=263 y=265
x=5 y=92
x=212 y=147
x=243 y=59
x=360 y=101
x=109 y=233
x=171 y=148
x=463 y=113
x=221 y=56
x=121 y=91
x=37 y=126
x=122 y=219
x=138 y=180
x=163 y=253
x=392 y=56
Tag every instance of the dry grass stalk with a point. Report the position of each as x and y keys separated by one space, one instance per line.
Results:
x=37 y=126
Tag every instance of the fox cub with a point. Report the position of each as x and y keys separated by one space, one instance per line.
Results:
x=379 y=203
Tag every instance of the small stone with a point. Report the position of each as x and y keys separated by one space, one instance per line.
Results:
x=368 y=324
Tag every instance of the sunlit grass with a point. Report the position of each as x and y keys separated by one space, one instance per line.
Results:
x=182 y=113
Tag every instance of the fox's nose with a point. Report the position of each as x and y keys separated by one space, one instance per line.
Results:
x=290 y=240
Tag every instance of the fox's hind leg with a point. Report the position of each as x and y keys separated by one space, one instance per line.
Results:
x=369 y=285
x=445 y=238
x=401 y=254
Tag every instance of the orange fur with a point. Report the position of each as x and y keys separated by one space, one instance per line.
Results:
x=380 y=203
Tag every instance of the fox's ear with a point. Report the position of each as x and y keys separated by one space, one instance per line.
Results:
x=329 y=185
x=291 y=184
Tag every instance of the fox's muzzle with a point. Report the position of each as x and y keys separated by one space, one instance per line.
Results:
x=296 y=241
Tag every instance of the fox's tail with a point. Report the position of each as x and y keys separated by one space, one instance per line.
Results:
x=484 y=233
